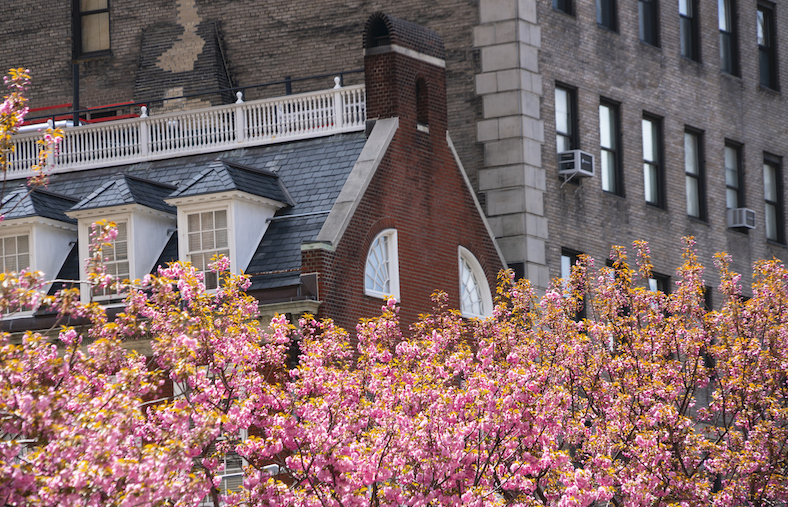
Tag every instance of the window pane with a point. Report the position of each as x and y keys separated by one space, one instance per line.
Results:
x=732 y=198
x=606 y=137
x=648 y=140
x=22 y=244
x=731 y=167
x=206 y=221
x=691 y=153
x=207 y=240
x=769 y=182
x=221 y=238
x=194 y=242
x=771 y=221
x=608 y=171
x=377 y=268
x=562 y=111
x=221 y=219
x=651 y=183
x=194 y=222
x=723 y=12
x=23 y=260
x=685 y=7
x=471 y=297
x=693 y=202
x=95 y=32
x=762 y=29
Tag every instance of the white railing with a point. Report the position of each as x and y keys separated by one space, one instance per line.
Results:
x=238 y=125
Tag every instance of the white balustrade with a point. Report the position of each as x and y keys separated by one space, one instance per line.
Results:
x=243 y=124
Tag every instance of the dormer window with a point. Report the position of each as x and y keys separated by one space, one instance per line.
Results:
x=116 y=262
x=208 y=237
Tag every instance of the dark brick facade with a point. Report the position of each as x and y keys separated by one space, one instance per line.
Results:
x=262 y=41
x=684 y=94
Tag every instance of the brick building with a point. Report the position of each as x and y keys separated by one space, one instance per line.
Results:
x=700 y=79
x=327 y=213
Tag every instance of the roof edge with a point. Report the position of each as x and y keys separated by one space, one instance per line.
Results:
x=475 y=199
x=358 y=180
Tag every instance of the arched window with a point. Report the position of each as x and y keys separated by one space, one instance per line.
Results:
x=475 y=297
x=381 y=274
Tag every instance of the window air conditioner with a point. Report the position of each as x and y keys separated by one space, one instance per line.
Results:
x=741 y=217
x=575 y=163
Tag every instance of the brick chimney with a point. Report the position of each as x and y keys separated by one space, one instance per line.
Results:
x=405 y=71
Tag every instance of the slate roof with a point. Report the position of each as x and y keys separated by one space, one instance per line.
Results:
x=221 y=176
x=126 y=189
x=308 y=174
x=22 y=203
x=69 y=271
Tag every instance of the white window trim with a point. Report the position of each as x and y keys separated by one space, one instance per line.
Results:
x=184 y=210
x=484 y=287
x=393 y=266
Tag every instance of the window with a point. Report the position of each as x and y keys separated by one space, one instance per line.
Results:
x=116 y=262
x=659 y=283
x=766 y=47
x=381 y=274
x=606 y=14
x=734 y=193
x=422 y=105
x=569 y=259
x=693 y=168
x=14 y=253
x=475 y=298
x=91 y=26
x=565 y=119
x=653 y=176
x=564 y=6
x=207 y=236
x=649 y=22
x=773 y=197
x=728 y=44
x=688 y=20
x=609 y=133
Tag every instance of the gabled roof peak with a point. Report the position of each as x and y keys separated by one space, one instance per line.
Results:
x=223 y=176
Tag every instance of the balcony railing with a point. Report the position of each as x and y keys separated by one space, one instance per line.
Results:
x=239 y=125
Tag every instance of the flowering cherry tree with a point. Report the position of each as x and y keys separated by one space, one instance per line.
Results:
x=650 y=400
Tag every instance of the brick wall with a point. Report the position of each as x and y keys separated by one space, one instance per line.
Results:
x=643 y=78
x=417 y=190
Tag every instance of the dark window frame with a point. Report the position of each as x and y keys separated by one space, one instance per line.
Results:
x=564 y=6
x=648 y=22
x=78 y=15
x=689 y=30
x=739 y=187
x=778 y=203
x=572 y=120
x=659 y=160
x=573 y=255
x=729 y=38
x=700 y=177
x=767 y=53
x=607 y=14
x=618 y=172
x=662 y=282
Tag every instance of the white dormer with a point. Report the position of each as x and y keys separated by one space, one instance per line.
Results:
x=145 y=225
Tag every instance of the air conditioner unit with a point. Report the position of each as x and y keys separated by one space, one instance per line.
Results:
x=575 y=163
x=741 y=217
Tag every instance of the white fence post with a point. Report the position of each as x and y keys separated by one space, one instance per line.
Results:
x=339 y=109
x=240 y=118
x=144 y=138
